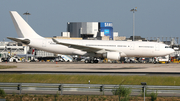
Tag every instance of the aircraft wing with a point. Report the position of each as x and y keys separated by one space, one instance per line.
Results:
x=83 y=48
x=24 y=41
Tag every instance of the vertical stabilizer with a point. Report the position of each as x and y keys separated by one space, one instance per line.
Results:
x=22 y=27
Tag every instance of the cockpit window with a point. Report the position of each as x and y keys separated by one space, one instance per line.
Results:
x=167 y=47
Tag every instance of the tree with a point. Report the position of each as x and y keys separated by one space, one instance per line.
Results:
x=2 y=93
x=122 y=92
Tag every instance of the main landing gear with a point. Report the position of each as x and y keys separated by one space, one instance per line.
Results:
x=91 y=60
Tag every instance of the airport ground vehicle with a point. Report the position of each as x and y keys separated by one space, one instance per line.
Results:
x=175 y=59
x=66 y=58
x=4 y=57
x=14 y=59
x=63 y=58
x=162 y=59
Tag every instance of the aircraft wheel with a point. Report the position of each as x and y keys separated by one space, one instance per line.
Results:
x=86 y=61
x=91 y=61
x=95 y=61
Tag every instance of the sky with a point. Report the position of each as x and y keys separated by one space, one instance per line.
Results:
x=154 y=18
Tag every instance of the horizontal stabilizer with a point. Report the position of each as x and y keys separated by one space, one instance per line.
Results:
x=24 y=41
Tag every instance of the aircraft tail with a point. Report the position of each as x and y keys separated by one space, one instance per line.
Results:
x=22 y=27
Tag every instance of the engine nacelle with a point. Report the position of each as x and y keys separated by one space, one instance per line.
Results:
x=112 y=55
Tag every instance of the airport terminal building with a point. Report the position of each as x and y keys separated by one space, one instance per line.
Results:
x=90 y=30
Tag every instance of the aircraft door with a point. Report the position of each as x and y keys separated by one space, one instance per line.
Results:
x=43 y=43
x=132 y=46
x=157 y=47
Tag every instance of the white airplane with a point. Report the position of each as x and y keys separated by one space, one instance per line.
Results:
x=93 y=48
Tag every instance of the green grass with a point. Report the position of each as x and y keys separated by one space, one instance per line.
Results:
x=94 y=79
x=7 y=67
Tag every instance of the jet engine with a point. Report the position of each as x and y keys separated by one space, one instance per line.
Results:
x=112 y=55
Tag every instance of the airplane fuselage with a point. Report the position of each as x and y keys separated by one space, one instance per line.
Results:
x=126 y=48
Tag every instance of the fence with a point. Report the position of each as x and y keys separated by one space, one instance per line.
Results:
x=84 y=88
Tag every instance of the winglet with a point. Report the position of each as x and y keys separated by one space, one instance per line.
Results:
x=54 y=40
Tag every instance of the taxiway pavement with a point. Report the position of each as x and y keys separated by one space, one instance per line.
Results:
x=102 y=67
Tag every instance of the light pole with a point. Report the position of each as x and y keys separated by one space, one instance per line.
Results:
x=27 y=13
x=133 y=10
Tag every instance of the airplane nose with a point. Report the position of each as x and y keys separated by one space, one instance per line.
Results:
x=172 y=51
